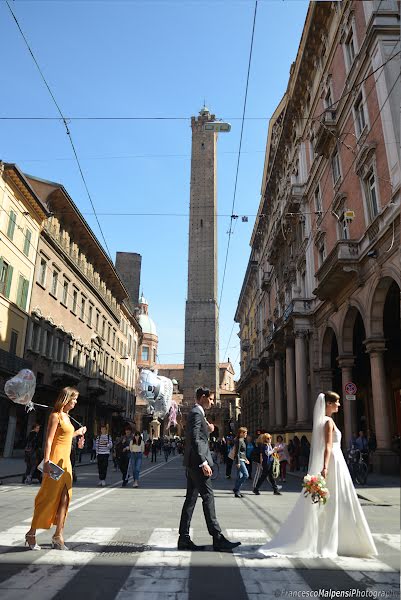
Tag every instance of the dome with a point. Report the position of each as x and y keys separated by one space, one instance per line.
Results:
x=147 y=324
x=142 y=300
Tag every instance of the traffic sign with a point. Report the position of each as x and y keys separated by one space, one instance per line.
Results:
x=350 y=397
x=350 y=388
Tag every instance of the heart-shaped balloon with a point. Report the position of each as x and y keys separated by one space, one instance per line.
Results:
x=21 y=388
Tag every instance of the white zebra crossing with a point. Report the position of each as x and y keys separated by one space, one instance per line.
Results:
x=41 y=575
x=160 y=573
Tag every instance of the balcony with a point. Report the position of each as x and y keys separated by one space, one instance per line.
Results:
x=266 y=279
x=11 y=364
x=97 y=385
x=66 y=372
x=339 y=268
x=326 y=133
x=245 y=345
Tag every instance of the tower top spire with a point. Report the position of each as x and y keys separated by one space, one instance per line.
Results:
x=204 y=111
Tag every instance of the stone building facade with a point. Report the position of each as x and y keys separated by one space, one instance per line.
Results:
x=22 y=214
x=81 y=330
x=322 y=289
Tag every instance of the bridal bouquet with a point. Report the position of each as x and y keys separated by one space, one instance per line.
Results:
x=315 y=485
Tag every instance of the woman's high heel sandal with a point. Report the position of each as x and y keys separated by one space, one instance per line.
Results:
x=58 y=543
x=29 y=538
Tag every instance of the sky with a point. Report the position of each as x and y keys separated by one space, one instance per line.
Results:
x=150 y=58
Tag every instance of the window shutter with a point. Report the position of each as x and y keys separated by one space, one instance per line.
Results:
x=19 y=291
x=25 y=288
x=11 y=225
x=27 y=242
x=8 y=281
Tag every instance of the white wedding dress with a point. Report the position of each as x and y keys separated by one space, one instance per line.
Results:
x=337 y=528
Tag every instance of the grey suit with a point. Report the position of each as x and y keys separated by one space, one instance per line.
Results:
x=196 y=453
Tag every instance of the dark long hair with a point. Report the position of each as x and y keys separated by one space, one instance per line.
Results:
x=140 y=437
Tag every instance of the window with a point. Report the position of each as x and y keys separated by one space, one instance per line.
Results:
x=90 y=314
x=54 y=282
x=83 y=303
x=145 y=353
x=360 y=121
x=350 y=49
x=108 y=333
x=114 y=339
x=74 y=301
x=11 y=224
x=13 y=342
x=335 y=165
x=343 y=228
x=154 y=355
x=371 y=194
x=322 y=253
x=22 y=292
x=27 y=241
x=106 y=364
x=65 y=292
x=42 y=271
x=129 y=344
x=318 y=200
x=6 y=275
x=328 y=104
x=104 y=328
x=97 y=320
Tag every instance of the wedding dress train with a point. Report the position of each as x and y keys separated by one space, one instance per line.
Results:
x=337 y=528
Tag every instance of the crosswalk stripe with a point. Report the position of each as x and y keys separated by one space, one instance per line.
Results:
x=13 y=536
x=9 y=488
x=161 y=573
x=41 y=573
x=390 y=539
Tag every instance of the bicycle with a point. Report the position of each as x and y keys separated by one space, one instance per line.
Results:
x=358 y=466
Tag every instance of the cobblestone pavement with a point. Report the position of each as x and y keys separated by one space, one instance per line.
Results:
x=123 y=545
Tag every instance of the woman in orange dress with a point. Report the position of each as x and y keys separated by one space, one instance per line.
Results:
x=53 y=498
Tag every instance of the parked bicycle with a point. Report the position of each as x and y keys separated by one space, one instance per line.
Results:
x=358 y=465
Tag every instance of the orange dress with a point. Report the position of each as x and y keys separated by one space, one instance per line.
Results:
x=48 y=498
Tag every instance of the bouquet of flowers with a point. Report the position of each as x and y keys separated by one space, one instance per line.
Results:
x=315 y=485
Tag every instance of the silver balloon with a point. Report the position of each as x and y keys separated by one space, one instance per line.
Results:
x=156 y=391
x=21 y=388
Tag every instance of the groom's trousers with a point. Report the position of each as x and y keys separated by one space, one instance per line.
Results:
x=197 y=483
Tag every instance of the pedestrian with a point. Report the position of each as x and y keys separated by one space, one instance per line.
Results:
x=173 y=447
x=104 y=444
x=266 y=451
x=160 y=445
x=250 y=448
x=148 y=446
x=198 y=463
x=166 y=449
x=304 y=453
x=54 y=496
x=240 y=460
x=361 y=442
x=283 y=456
x=352 y=440
x=93 y=451
x=155 y=447
x=297 y=451
x=291 y=450
x=123 y=453
x=31 y=453
x=229 y=455
x=137 y=448
x=372 y=443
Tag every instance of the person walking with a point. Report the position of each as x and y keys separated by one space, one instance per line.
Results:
x=166 y=449
x=266 y=451
x=240 y=460
x=104 y=444
x=283 y=456
x=297 y=452
x=123 y=454
x=31 y=453
x=198 y=463
x=155 y=447
x=250 y=449
x=93 y=451
x=137 y=448
x=304 y=453
x=54 y=496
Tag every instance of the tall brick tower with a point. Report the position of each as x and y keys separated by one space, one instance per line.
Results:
x=201 y=362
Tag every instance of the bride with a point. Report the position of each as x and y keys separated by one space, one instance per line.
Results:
x=339 y=527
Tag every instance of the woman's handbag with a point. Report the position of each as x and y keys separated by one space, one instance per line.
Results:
x=231 y=454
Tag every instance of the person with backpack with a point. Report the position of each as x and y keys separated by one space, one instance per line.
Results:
x=104 y=445
x=123 y=453
x=31 y=453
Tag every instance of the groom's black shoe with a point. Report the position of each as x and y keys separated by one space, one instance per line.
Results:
x=220 y=544
x=185 y=543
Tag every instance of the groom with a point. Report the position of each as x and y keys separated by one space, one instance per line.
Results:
x=198 y=462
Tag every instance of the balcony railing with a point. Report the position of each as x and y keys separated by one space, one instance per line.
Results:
x=65 y=371
x=97 y=385
x=339 y=267
x=9 y=363
x=325 y=134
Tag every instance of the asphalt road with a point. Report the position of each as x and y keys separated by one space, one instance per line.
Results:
x=123 y=545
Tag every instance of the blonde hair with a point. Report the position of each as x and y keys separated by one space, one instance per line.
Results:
x=264 y=438
x=241 y=430
x=64 y=397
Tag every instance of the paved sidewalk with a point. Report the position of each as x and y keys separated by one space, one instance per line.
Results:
x=380 y=489
x=15 y=467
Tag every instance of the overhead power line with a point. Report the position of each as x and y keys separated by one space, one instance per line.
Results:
x=230 y=231
x=64 y=120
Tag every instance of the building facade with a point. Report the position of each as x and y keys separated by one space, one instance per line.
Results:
x=81 y=330
x=325 y=284
x=22 y=214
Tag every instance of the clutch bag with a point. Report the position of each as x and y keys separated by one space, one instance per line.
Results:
x=55 y=471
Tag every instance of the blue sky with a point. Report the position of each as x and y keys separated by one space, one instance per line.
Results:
x=149 y=59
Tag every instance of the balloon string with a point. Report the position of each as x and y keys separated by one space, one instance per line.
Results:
x=45 y=406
